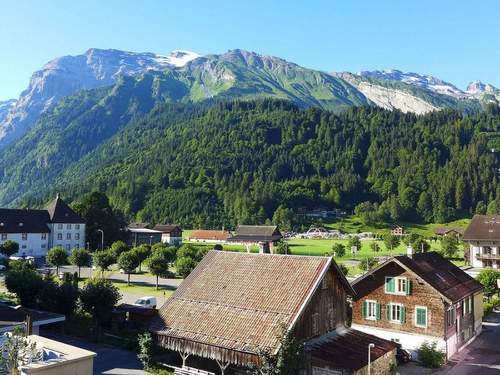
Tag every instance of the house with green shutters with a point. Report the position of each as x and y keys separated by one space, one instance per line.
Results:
x=419 y=297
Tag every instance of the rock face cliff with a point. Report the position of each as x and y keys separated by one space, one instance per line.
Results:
x=187 y=76
x=66 y=75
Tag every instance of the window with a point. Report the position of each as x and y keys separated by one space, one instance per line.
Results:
x=59 y=226
x=4 y=236
x=395 y=313
x=421 y=316
x=68 y=236
x=77 y=226
x=450 y=316
x=467 y=305
x=371 y=310
x=23 y=247
x=315 y=323
x=43 y=246
x=331 y=317
x=68 y=226
x=68 y=248
x=44 y=236
x=59 y=236
x=77 y=236
x=24 y=236
x=397 y=285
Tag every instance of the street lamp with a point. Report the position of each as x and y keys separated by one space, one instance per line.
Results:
x=370 y=346
x=150 y=240
x=102 y=238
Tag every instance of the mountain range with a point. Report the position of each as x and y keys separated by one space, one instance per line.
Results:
x=184 y=76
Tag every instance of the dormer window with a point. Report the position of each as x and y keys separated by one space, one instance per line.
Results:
x=21 y=224
x=397 y=285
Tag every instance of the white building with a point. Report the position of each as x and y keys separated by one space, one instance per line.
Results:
x=170 y=234
x=483 y=236
x=37 y=231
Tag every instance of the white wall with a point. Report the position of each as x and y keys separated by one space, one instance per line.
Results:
x=165 y=238
x=408 y=341
x=476 y=248
x=34 y=245
x=65 y=242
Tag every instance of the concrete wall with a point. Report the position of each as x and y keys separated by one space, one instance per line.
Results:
x=408 y=341
x=77 y=367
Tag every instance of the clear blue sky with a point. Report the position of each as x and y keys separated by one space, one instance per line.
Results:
x=458 y=41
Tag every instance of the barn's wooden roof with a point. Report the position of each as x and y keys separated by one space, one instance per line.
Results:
x=234 y=304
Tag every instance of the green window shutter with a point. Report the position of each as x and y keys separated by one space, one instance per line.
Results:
x=378 y=311
x=390 y=285
x=421 y=317
x=403 y=314
x=364 y=310
x=408 y=287
x=388 y=312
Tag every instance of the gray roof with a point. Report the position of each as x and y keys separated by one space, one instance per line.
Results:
x=257 y=233
x=483 y=227
x=23 y=221
x=60 y=212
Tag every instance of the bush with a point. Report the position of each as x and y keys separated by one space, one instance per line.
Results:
x=493 y=304
x=98 y=297
x=488 y=278
x=338 y=250
x=145 y=354
x=430 y=355
x=26 y=284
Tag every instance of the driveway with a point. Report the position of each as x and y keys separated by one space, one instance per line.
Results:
x=482 y=356
x=109 y=360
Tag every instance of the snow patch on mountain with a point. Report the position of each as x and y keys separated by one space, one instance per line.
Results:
x=425 y=81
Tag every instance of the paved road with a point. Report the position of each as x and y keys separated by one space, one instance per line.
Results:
x=482 y=356
x=109 y=360
x=116 y=275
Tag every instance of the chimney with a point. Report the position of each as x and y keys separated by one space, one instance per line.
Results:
x=410 y=251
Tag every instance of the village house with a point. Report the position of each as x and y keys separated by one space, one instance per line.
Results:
x=235 y=306
x=483 y=236
x=209 y=236
x=140 y=234
x=398 y=231
x=265 y=236
x=170 y=234
x=37 y=231
x=443 y=232
x=416 y=298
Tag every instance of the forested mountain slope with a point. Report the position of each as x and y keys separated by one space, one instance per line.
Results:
x=237 y=162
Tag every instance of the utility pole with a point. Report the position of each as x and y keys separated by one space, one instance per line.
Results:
x=102 y=238
x=370 y=346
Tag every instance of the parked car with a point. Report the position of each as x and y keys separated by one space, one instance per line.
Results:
x=147 y=302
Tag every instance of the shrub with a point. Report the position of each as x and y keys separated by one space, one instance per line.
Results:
x=488 y=278
x=430 y=355
x=493 y=304
x=338 y=250
x=26 y=284
x=145 y=354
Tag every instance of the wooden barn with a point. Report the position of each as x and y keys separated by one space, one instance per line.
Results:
x=266 y=236
x=234 y=306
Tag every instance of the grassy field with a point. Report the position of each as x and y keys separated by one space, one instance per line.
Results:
x=353 y=224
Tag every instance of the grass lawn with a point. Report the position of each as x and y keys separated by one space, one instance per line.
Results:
x=353 y=224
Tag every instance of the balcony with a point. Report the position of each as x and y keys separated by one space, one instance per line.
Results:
x=488 y=256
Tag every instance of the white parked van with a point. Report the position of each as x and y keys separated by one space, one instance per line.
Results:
x=148 y=302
